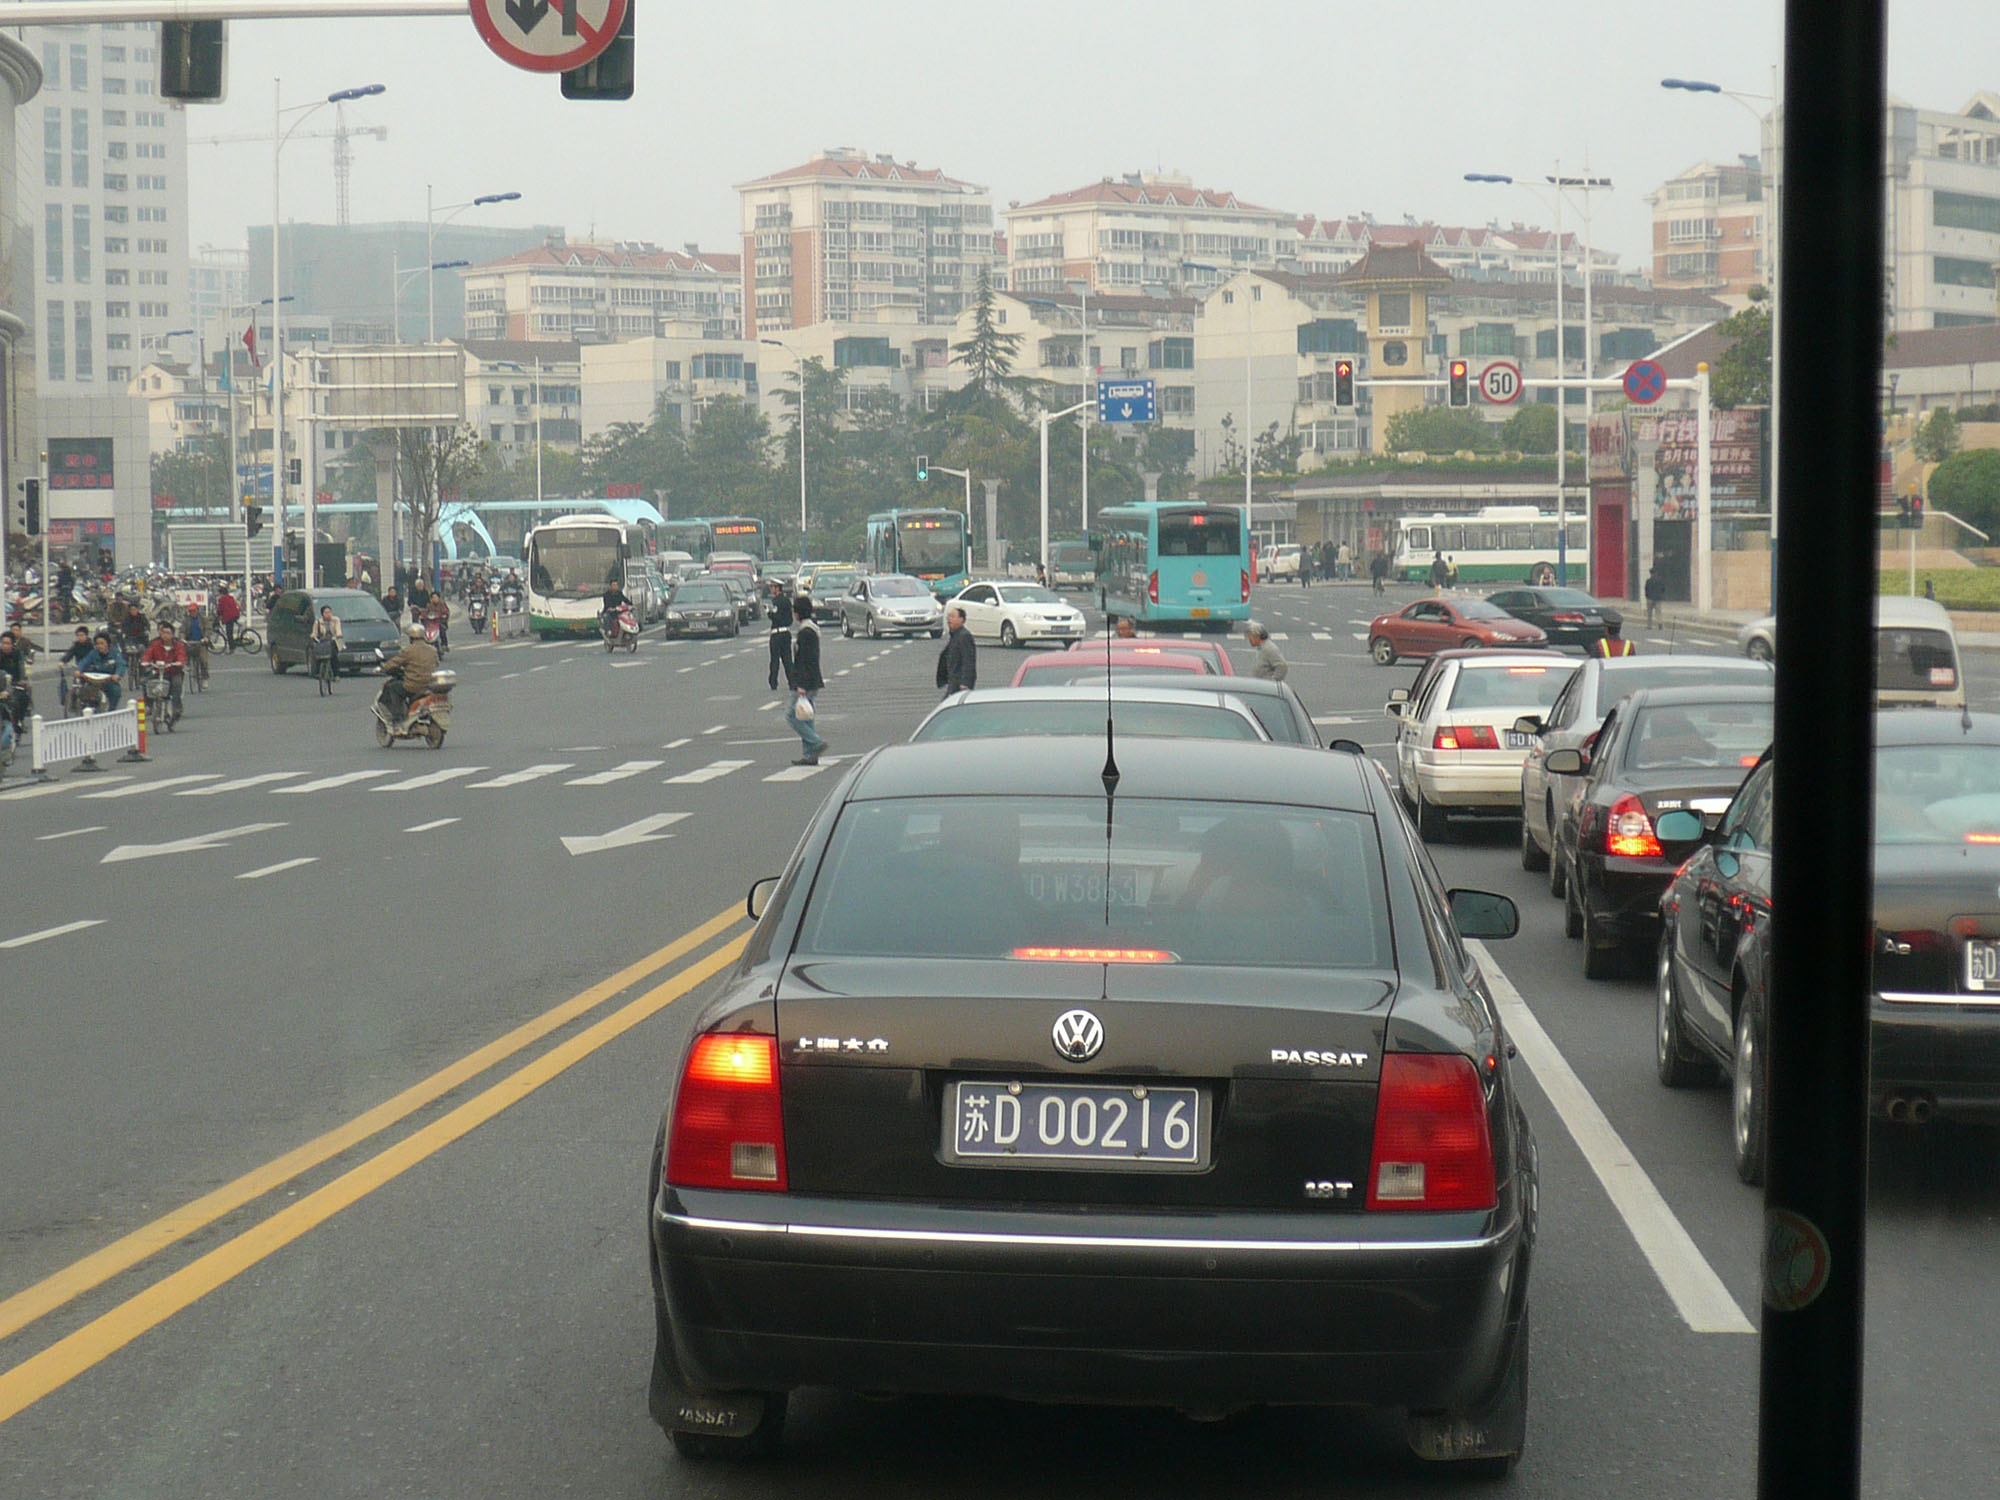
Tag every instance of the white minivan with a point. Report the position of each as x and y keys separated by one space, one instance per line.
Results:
x=1916 y=652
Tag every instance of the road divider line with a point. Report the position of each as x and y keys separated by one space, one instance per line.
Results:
x=55 y=1366
x=1690 y=1281
x=288 y=864
x=153 y=786
x=52 y=932
x=49 y=789
x=131 y=1249
x=70 y=833
x=434 y=823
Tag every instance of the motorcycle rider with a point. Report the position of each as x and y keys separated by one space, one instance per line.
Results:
x=166 y=650
x=438 y=612
x=614 y=601
x=69 y=661
x=409 y=673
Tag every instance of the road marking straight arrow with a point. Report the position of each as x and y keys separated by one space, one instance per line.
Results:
x=199 y=842
x=642 y=832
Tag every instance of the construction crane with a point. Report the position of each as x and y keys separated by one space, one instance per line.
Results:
x=343 y=155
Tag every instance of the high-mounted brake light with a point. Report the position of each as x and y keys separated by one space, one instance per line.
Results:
x=1433 y=1147
x=1527 y=671
x=1628 y=832
x=1099 y=955
x=729 y=1123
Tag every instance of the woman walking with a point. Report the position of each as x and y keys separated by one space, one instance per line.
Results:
x=326 y=649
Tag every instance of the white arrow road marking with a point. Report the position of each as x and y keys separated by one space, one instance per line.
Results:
x=241 y=783
x=641 y=832
x=434 y=823
x=616 y=773
x=515 y=778
x=432 y=778
x=28 y=792
x=50 y=932
x=43 y=838
x=288 y=864
x=710 y=772
x=199 y=842
x=152 y=786
x=347 y=778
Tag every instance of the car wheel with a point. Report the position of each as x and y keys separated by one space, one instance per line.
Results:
x=277 y=667
x=1572 y=910
x=1558 y=876
x=1749 y=1093
x=1007 y=636
x=1533 y=857
x=1677 y=1065
x=1383 y=650
x=1431 y=824
x=1471 y=643
x=874 y=629
x=1758 y=649
x=846 y=628
x=1603 y=958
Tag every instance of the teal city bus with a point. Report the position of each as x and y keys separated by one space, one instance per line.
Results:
x=927 y=544
x=699 y=536
x=1174 y=562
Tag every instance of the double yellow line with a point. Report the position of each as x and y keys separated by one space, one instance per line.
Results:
x=32 y=1379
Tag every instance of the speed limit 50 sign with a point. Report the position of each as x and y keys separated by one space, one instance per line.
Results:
x=1500 y=383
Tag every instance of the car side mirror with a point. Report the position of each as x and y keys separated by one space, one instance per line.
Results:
x=1679 y=827
x=1528 y=724
x=1565 y=763
x=1399 y=695
x=760 y=896
x=1394 y=709
x=1483 y=914
x=1347 y=747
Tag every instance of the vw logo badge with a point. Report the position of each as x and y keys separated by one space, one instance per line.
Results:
x=1078 y=1035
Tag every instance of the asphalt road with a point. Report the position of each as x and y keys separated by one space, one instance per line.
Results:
x=325 y=1148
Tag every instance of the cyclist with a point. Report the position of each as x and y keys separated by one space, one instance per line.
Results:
x=196 y=639
x=229 y=614
x=104 y=657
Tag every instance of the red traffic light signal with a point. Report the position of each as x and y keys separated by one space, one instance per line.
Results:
x=1460 y=386
x=1343 y=382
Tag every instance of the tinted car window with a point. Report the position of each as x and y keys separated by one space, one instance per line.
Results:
x=700 y=593
x=1937 y=794
x=1479 y=609
x=1507 y=687
x=356 y=610
x=1697 y=736
x=1614 y=687
x=1173 y=719
x=1914 y=660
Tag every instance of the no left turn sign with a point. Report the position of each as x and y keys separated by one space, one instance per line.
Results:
x=548 y=36
x=1500 y=382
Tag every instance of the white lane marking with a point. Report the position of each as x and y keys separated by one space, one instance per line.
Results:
x=725 y=697
x=1361 y=635
x=1361 y=622
x=843 y=671
x=637 y=661
x=710 y=772
x=1322 y=635
x=200 y=843
x=616 y=773
x=241 y=783
x=576 y=749
x=1690 y=1281
x=644 y=831
x=715 y=729
x=764 y=708
x=800 y=773
x=434 y=823
x=782 y=739
x=565 y=661
x=52 y=932
x=515 y=778
x=43 y=838
x=1281 y=635
x=432 y=778
x=27 y=793
x=509 y=676
x=676 y=744
x=153 y=786
x=515 y=645
x=542 y=668
x=287 y=864
x=327 y=783
x=679 y=670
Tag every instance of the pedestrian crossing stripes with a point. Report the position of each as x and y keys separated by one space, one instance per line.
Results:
x=713 y=771
x=800 y=773
x=241 y=783
x=152 y=786
x=616 y=773
x=434 y=778
x=326 y=783
x=529 y=773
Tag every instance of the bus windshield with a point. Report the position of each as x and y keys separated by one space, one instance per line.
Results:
x=575 y=564
x=1214 y=533
x=933 y=545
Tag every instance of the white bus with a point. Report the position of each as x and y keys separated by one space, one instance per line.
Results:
x=571 y=560
x=1497 y=543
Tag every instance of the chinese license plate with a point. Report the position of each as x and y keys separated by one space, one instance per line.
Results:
x=1199 y=614
x=1518 y=740
x=1119 y=1126
x=1982 y=965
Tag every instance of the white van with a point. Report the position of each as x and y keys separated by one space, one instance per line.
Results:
x=1916 y=652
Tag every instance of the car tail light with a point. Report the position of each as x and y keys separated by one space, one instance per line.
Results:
x=729 y=1125
x=1433 y=1147
x=1245 y=575
x=1465 y=737
x=1153 y=587
x=1629 y=832
x=1567 y=619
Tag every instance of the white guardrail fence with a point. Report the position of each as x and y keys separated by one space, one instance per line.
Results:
x=84 y=738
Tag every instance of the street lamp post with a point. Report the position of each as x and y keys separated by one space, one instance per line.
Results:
x=966 y=475
x=798 y=357
x=1043 y=421
x=280 y=135
x=201 y=386
x=431 y=222
x=399 y=278
x=1089 y=372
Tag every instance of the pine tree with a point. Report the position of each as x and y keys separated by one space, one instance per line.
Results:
x=988 y=356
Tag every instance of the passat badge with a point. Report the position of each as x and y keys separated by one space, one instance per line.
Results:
x=1078 y=1035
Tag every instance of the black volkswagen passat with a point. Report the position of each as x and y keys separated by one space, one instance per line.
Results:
x=1568 y=617
x=1935 y=1020
x=1189 y=1095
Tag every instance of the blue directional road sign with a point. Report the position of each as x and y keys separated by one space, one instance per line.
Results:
x=1125 y=401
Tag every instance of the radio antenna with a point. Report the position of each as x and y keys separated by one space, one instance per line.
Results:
x=1109 y=776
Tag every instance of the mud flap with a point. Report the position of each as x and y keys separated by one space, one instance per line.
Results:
x=1496 y=1429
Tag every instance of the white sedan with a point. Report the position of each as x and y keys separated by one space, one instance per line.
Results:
x=1457 y=748
x=1016 y=613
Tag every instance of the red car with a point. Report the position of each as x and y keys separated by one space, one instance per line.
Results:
x=1207 y=648
x=1432 y=625
x=1084 y=665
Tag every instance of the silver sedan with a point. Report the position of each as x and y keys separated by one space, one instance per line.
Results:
x=890 y=604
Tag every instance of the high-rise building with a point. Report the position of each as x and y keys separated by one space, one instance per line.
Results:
x=112 y=231
x=1708 y=228
x=1143 y=229
x=847 y=237
x=218 y=287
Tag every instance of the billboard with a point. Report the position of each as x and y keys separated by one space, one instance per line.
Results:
x=398 y=385
x=80 y=464
x=1735 y=461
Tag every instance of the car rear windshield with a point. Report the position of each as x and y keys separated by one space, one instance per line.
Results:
x=701 y=593
x=1914 y=661
x=1698 y=736
x=1185 y=720
x=1614 y=687
x=1028 y=593
x=1192 y=881
x=1203 y=534
x=1057 y=673
x=1937 y=794
x=1495 y=686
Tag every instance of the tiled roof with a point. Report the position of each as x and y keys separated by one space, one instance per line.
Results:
x=1401 y=263
x=522 y=351
x=1108 y=302
x=1360 y=231
x=1527 y=294
x=860 y=168
x=1975 y=343
x=614 y=258
x=1139 y=194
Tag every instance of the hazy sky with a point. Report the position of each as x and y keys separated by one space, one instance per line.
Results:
x=1313 y=106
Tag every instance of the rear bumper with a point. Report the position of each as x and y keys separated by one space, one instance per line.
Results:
x=1494 y=784
x=1623 y=896
x=1937 y=1049
x=1194 y=1311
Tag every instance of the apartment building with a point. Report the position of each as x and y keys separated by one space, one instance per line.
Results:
x=1143 y=229
x=579 y=292
x=1519 y=252
x=847 y=237
x=1708 y=228
x=1943 y=220
x=677 y=372
x=1130 y=337
x=20 y=431
x=218 y=287
x=520 y=391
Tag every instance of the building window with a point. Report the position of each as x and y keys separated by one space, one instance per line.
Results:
x=117 y=342
x=1321 y=336
x=114 y=213
x=1960 y=320
x=119 y=374
x=117 y=309
x=114 y=119
x=58 y=343
x=1177 y=400
x=1392 y=312
x=1626 y=343
x=1491 y=339
x=114 y=85
x=1545 y=342
x=1952 y=270
x=114 y=54
x=52 y=66
x=115 y=277
x=79 y=247
x=52 y=232
x=52 y=148
x=1966 y=211
x=79 y=66
x=84 y=365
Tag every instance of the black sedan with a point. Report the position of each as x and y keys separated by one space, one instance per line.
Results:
x=1662 y=749
x=1568 y=617
x=1187 y=1096
x=1935 y=1024
x=702 y=606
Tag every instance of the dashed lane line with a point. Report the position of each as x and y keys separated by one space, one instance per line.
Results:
x=153 y=786
x=52 y=932
x=434 y=823
x=241 y=783
x=70 y=833
x=676 y=744
x=715 y=729
x=515 y=778
x=282 y=865
x=432 y=778
x=49 y=789
x=327 y=783
x=616 y=773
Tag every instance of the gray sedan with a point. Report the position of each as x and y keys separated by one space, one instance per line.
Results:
x=890 y=604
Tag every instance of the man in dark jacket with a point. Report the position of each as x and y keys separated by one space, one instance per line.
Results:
x=806 y=681
x=958 y=663
x=779 y=613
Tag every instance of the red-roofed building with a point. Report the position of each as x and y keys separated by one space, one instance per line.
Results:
x=1520 y=252
x=853 y=238
x=1143 y=229
x=597 y=294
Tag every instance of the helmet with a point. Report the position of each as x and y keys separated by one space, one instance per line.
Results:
x=415 y=632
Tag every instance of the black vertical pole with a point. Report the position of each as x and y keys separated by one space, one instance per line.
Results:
x=1809 y=1418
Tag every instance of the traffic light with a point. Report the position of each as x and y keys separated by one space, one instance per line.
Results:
x=609 y=74
x=923 y=466
x=193 y=61
x=1917 y=510
x=253 y=519
x=1460 y=388
x=31 y=509
x=1343 y=382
